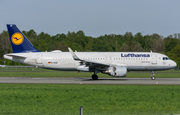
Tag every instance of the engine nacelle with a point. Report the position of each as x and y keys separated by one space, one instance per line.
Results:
x=117 y=71
x=83 y=68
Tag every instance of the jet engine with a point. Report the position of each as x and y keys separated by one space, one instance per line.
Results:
x=83 y=68
x=117 y=71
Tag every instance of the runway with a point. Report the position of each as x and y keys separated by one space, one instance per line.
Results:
x=139 y=81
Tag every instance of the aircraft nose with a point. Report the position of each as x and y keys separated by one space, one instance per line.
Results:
x=174 y=64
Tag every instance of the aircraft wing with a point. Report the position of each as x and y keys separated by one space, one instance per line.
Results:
x=87 y=62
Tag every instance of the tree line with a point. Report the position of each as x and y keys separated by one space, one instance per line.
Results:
x=78 y=41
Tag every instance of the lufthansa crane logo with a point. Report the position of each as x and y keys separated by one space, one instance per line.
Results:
x=17 y=38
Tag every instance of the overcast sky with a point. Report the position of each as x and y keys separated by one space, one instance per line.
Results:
x=93 y=17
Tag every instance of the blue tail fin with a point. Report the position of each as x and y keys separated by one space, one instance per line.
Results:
x=19 y=42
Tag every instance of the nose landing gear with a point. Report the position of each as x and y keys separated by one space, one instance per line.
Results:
x=153 y=75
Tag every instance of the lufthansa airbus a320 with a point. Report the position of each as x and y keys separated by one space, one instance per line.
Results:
x=115 y=64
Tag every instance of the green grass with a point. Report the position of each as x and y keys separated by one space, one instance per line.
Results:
x=96 y=99
x=84 y=74
x=39 y=72
x=33 y=69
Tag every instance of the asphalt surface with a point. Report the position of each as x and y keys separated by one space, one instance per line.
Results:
x=140 y=81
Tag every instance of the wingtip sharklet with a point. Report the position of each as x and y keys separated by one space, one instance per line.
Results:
x=73 y=54
x=78 y=59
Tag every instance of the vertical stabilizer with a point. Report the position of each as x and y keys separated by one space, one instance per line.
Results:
x=19 y=42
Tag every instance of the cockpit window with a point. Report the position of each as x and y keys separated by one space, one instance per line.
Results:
x=166 y=58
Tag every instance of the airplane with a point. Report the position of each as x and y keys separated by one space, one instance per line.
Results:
x=115 y=64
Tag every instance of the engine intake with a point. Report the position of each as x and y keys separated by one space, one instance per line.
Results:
x=117 y=71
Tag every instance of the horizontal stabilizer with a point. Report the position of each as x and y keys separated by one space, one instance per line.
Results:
x=14 y=55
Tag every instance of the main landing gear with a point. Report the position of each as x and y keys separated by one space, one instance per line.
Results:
x=153 y=75
x=94 y=76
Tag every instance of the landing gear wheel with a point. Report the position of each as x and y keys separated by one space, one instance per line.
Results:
x=94 y=77
x=153 y=75
x=153 y=78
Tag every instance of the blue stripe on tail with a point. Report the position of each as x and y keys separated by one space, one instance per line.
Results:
x=19 y=42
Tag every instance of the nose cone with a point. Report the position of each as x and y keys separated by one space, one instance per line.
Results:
x=173 y=64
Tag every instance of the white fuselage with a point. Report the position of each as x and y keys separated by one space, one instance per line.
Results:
x=134 y=61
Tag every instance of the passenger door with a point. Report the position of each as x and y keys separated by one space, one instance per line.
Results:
x=39 y=60
x=154 y=59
